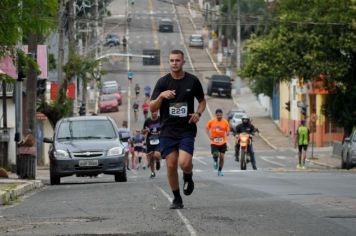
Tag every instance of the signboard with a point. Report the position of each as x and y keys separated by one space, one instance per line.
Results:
x=8 y=67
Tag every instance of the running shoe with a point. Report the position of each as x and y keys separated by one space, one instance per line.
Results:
x=176 y=204
x=153 y=174
x=220 y=173
x=215 y=165
x=188 y=185
x=158 y=165
x=144 y=167
x=303 y=167
x=299 y=166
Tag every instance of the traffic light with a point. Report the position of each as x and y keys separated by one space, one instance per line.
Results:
x=82 y=110
x=304 y=111
x=287 y=107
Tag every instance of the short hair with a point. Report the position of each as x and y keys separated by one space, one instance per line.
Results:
x=177 y=51
x=218 y=111
x=124 y=123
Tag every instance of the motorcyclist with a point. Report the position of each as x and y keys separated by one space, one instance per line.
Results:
x=246 y=127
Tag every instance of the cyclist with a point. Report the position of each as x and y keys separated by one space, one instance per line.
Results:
x=124 y=43
x=137 y=90
x=130 y=76
x=145 y=108
x=152 y=127
x=147 y=90
x=135 y=107
x=246 y=127
x=218 y=129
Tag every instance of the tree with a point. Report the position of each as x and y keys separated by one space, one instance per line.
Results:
x=308 y=39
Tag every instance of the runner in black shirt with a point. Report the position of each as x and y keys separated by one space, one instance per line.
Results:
x=152 y=129
x=174 y=96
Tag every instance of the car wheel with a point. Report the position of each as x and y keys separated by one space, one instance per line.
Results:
x=54 y=179
x=121 y=176
x=343 y=164
x=209 y=92
x=348 y=163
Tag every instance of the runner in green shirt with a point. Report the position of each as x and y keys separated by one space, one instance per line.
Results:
x=303 y=141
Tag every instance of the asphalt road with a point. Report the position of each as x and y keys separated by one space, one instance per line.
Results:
x=274 y=200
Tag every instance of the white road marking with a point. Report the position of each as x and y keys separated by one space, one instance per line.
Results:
x=198 y=159
x=272 y=162
x=185 y=220
x=281 y=157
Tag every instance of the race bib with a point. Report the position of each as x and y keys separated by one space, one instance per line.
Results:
x=154 y=141
x=178 y=109
x=218 y=140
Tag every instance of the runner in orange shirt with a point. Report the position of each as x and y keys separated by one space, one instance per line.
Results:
x=218 y=128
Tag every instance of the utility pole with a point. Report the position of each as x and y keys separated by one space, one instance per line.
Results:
x=5 y=144
x=220 y=36
x=60 y=42
x=72 y=41
x=238 y=47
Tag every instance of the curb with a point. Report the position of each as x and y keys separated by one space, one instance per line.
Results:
x=9 y=196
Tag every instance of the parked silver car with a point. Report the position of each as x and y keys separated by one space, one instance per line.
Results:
x=348 y=153
x=196 y=40
x=86 y=146
x=236 y=120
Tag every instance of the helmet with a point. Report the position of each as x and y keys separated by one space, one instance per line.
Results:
x=245 y=119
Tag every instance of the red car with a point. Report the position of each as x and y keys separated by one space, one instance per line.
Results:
x=108 y=102
x=113 y=90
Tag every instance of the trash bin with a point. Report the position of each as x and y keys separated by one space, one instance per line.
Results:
x=26 y=164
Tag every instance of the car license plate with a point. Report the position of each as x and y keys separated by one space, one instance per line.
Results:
x=221 y=89
x=84 y=163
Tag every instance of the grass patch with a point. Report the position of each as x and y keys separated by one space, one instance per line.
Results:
x=9 y=186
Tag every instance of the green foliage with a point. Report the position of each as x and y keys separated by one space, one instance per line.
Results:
x=307 y=39
x=38 y=17
x=56 y=110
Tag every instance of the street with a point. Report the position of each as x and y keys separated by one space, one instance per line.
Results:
x=276 y=199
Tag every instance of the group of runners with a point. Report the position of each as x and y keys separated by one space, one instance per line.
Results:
x=143 y=145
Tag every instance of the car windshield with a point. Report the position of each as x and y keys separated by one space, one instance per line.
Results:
x=107 y=98
x=112 y=36
x=111 y=89
x=238 y=115
x=86 y=129
x=196 y=38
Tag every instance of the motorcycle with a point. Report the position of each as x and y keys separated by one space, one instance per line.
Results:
x=245 y=140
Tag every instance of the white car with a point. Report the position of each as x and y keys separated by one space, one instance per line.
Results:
x=236 y=120
x=348 y=153
x=196 y=40
x=111 y=83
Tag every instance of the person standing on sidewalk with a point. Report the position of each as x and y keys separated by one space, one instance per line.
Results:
x=218 y=129
x=173 y=96
x=303 y=141
x=152 y=127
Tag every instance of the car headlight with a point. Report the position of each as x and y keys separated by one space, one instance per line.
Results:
x=353 y=152
x=116 y=151
x=60 y=154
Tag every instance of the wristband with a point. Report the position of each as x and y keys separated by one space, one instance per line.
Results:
x=199 y=114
